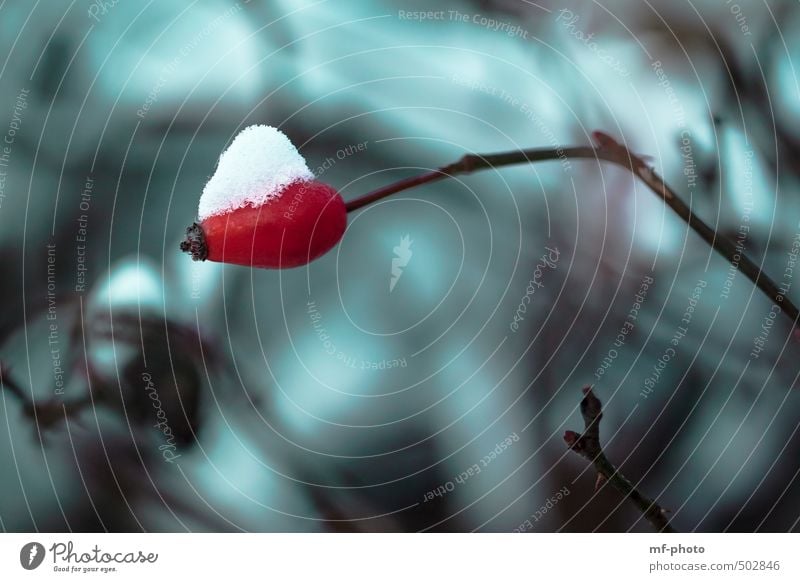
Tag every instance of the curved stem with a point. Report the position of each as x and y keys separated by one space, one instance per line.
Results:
x=609 y=151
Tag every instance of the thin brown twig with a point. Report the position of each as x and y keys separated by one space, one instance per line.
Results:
x=608 y=150
x=588 y=446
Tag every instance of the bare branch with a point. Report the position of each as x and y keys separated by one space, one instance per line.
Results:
x=608 y=150
x=588 y=446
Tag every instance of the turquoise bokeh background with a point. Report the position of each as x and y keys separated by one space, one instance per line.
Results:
x=327 y=401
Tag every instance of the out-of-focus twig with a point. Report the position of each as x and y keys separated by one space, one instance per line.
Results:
x=47 y=413
x=588 y=446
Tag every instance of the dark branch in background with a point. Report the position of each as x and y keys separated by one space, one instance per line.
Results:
x=46 y=414
x=588 y=446
x=608 y=150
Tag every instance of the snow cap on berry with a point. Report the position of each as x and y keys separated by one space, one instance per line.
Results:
x=255 y=169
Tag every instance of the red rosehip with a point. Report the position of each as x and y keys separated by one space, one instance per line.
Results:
x=263 y=207
x=303 y=222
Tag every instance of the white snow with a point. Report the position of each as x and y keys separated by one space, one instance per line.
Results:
x=254 y=169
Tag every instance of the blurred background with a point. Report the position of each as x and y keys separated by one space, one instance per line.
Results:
x=145 y=392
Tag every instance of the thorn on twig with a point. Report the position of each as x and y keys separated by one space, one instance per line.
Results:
x=619 y=152
x=601 y=480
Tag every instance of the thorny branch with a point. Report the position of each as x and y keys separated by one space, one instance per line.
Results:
x=588 y=446
x=608 y=150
